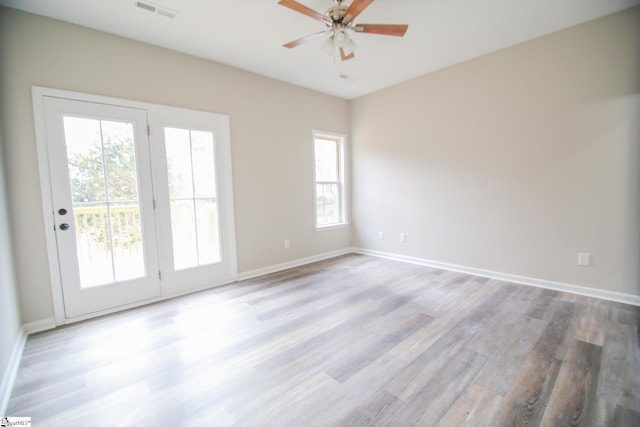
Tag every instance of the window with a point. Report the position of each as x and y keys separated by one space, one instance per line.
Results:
x=328 y=153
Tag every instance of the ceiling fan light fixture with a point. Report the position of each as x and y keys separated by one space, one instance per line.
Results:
x=340 y=37
x=338 y=41
x=351 y=45
x=329 y=46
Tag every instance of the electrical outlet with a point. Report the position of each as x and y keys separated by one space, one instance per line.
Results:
x=403 y=237
x=584 y=259
x=287 y=243
x=381 y=235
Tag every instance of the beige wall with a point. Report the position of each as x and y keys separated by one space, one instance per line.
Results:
x=9 y=308
x=271 y=124
x=512 y=162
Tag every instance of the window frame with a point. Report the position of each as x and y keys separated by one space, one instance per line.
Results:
x=343 y=211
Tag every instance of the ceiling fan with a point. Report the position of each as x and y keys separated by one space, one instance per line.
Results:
x=339 y=19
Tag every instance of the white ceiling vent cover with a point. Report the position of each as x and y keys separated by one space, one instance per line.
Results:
x=145 y=6
x=150 y=7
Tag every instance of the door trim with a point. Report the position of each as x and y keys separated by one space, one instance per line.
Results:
x=38 y=95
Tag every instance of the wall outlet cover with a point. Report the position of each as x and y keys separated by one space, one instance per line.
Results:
x=584 y=259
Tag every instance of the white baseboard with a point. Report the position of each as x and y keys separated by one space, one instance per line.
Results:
x=9 y=375
x=522 y=280
x=39 y=326
x=292 y=264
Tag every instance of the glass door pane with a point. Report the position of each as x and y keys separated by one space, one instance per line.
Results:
x=192 y=197
x=106 y=207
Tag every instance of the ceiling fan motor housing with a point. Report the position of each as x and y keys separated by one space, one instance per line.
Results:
x=336 y=13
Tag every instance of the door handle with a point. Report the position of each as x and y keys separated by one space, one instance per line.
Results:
x=64 y=226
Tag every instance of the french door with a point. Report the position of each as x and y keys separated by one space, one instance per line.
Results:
x=135 y=217
x=103 y=204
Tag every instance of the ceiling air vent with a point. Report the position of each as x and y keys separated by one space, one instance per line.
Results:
x=166 y=13
x=150 y=7
x=146 y=6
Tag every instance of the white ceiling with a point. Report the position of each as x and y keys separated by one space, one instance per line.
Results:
x=249 y=34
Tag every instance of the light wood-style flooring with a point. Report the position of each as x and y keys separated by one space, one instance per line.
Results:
x=351 y=341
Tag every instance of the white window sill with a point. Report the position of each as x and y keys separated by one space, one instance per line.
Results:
x=332 y=226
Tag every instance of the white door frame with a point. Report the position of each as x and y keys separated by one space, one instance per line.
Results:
x=38 y=94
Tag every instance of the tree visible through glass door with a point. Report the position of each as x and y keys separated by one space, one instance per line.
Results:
x=104 y=193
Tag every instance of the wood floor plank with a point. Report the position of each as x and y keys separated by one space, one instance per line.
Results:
x=370 y=411
x=360 y=359
x=475 y=407
x=572 y=400
x=440 y=393
x=626 y=417
x=285 y=410
x=353 y=340
x=526 y=403
x=620 y=373
x=590 y=319
x=499 y=332
x=505 y=363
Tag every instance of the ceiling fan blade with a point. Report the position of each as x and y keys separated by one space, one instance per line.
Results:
x=294 y=5
x=356 y=7
x=344 y=56
x=305 y=39
x=384 y=29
